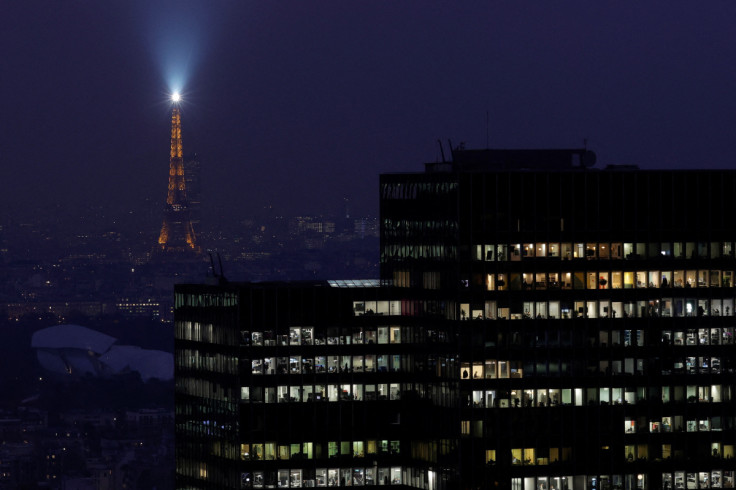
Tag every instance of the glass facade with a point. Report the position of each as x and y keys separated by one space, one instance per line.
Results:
x=320 y=382
x=538 y=325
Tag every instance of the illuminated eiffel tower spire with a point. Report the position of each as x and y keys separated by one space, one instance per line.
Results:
x=177 y=233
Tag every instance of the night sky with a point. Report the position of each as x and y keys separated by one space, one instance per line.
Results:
x=298 y=104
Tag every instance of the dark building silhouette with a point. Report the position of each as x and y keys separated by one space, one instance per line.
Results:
x=539 y=324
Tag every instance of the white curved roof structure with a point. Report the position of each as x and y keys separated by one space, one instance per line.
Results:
x=148 y=363
x=81 y=351
x=72 y=337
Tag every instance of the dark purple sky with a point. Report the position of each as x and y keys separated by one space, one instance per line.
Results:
x=299 y=104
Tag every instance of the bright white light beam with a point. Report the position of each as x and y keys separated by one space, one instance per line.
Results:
x=176 y=97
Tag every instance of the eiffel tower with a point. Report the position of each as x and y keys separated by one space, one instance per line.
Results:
x=177 y=233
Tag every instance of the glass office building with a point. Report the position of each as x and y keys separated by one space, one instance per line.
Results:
x=304 y=385
x=539 y=324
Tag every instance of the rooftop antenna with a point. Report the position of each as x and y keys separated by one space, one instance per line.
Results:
x=487 y=124
x=212 y=265
x=219 y=260
x=442 y=150
x=216 y=278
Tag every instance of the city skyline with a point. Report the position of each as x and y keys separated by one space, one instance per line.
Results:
x=277 y=98
x=609 y=305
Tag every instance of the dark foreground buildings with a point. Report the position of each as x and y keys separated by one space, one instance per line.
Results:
x=538 y=324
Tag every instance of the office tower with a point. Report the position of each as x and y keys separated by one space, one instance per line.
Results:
x=289 y=384
x=539 y=324
x=177 y=233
